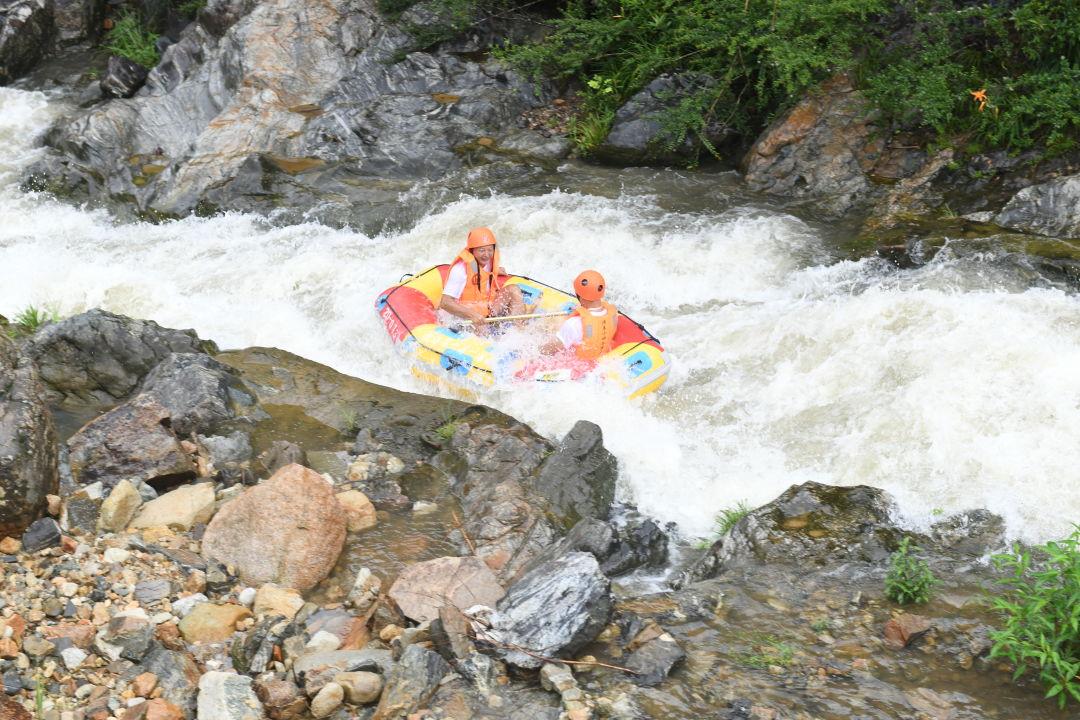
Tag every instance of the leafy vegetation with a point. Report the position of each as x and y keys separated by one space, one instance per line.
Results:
x=1040 y=604
x=129 y=38
x=447 y=429
x=1003 y=74
x=909 y=579
x=30 y=318
x=768 y=650
x=726 y=518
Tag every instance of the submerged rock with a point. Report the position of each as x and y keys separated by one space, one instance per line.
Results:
x=289 y=530
x=28 y=446
x=554 y=610
x=422 y=589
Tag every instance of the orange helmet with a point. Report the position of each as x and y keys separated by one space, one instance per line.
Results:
x=589 y=285
x=480 y=237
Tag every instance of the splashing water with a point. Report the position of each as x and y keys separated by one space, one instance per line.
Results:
x=953 y=385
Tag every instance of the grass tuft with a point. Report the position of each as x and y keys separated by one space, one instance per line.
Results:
x=128 y=38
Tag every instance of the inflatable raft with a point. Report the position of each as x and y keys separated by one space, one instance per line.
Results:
x=637 y=362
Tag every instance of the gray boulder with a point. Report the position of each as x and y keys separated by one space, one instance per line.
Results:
x=28 y=447
x=554 y=610
x=201 y=394
x=810 y=525
x=228 y=696
x=123 y=77
x=1051 y=208
x=653 y=661
x=98 y=359
x=639 y=136
x=133 y=441
x=411 y=683
x=284 y=99
x=26 y=30
x=578 y=479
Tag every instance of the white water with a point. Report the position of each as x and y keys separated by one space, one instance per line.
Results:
x=953 y=386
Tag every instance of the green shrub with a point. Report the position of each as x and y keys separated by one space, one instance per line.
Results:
x=128 y=38
x=768 y=650
x=31 y=318
x=726 y=518
x=909 y=579
x=1040 y=604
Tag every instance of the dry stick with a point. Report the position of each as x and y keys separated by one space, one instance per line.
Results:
x=468 y=540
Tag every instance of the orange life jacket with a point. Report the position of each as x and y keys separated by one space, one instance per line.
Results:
x=597 y=331
x=480 y=285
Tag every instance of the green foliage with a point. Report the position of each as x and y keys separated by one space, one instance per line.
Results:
x=768 y=650
x=446 y=430
x=30 y=318
x=1040 y=604
x=39 y=699
x=191 y=8
x=917 y=60
x=909 y=579
x=726 y=518
x=351 y=420
x=129 y=38
x=820 y=625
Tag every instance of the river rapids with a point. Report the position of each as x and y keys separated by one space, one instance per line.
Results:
x=953 y=385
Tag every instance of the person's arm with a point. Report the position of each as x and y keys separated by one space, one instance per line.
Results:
x=570 y=334
x=455 y=307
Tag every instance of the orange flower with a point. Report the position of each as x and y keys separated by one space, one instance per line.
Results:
x=979 y=96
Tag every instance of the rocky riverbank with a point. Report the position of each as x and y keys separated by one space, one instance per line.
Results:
x=197 y=534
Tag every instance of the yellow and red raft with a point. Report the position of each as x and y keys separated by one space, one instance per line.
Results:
x=637 y=362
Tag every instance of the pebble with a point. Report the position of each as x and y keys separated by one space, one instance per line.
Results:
x=73 y=657
x=247 y=596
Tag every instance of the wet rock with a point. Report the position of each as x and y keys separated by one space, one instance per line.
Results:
x=289 y=530
x=558 y=678
x=253 y=651
x=180 y=509
x=210 y=623
x=271 y=599
x=638 y=135
x=223 y=449
x=26 y=31
x=578 y=479
x=281 y=453
x=227 y=696
x=81 y=510
x=1051 y=208
x=359 y=510
x=411 y=683
x=555 y=609
x=77 y=20
x=640 y=543
x=133 y=441
x=450 y=633
x=826 y=149
x=809 y=525
x=97 y=359
x=119 y=507
x=365 y=590
x=421 y=589
x=905 y=629
x=28 y=447
x=930 y=704
x=654 y=660
x=973 y=533
x=123 y=77
x=201 y=394
x=41 y=534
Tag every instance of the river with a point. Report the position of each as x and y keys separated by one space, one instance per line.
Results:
x=952 y=385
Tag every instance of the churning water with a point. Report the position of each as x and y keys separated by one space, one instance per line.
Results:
x=953 y=385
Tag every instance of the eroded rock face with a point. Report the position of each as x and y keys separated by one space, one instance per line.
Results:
x=289 y=530
x=26 y=29
x=98 y=358
x=28 y=447
x=554 y=610
x=132 y=441
x=578 y=479
x=810 y=524
x=826 y=149
x=1051 y=208
x=282 y=97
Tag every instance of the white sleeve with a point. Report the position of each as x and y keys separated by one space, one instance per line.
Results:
x=571 y=333
x=455 y=281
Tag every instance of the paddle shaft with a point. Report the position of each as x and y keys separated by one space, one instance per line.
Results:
x=530 y=316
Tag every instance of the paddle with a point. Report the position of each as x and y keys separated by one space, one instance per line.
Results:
x=530 y=316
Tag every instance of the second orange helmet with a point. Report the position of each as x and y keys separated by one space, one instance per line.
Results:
x=589 y=285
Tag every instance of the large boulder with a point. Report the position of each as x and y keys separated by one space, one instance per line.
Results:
x=578 y=479
x=98 y=359
x=201 y=394
x=826 y=149
x=26 y=30
x=132 y=441
x=640 y=134
x=461 y=582
x=327 y=102
x=1050 y=208
x=554 y=610
x=28 y=448
x=289 y=530
x=810 y=525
